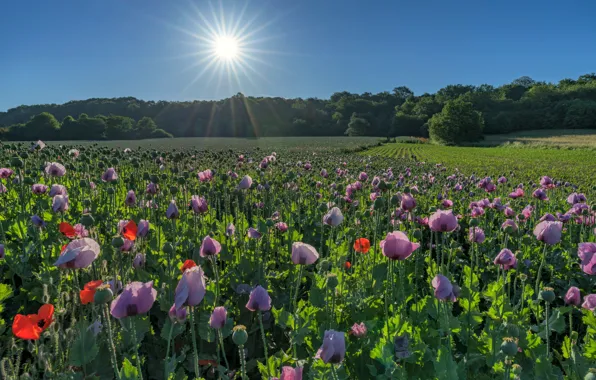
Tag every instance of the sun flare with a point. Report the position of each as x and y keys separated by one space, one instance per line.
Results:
x=226 y=48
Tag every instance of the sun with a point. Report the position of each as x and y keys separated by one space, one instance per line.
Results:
x=226 y=48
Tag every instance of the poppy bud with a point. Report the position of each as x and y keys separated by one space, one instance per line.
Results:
x=173 y=190
x=593 y=207
x=379 y=203
x=547 y=294
x=28 y=181
x=146 y=176
x=407 y=190
x=574 y=336
x=527 y=240
x=394 y=200
x=181 y=180
x=153 y=178
x=16 y=162
x=516 y=369
x=24 y=155
x=117 y=242
x=323 y=207
x=87 y=220
x=325 y=265
x=332 y=281
x=474 y=222
x=103 y=295
x=239 y=336
x=509 y=230
x=87 y=202
x=270 y=223
x=432 y=209
x=168 y=247
x=110 y=190
x=417 y=234
x=509 y=347
x=164 y=176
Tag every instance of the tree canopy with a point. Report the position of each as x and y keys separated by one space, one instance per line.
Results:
x=523 y=104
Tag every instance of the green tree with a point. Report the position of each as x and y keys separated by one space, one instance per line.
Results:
x=42 y=126
x=357 y=126
x=145 y=127
x=458 y=122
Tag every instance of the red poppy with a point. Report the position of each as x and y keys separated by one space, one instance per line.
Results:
x=130 y=230
x=348 y=265
x=362 y=245
x=187 y=265
x=67 y=230
x=31 y=326
x=207 y=362
x=88 y=293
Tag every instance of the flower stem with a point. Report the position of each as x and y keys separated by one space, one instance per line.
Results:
x=136 y=344
x=539 y=274
x=264 y=340
x=194 y=343
x=169 y=344
x=223 y=351
x=242 y=362
x=111 y=342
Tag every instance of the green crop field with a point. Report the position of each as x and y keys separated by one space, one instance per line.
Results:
x=574 y=165
x=567 y=138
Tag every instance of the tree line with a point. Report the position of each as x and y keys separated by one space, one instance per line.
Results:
x=453 y=114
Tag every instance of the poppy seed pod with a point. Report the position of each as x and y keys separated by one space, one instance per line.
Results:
x=547 y=294
x=240 y=336
x=168 y=247
x=509 y=347
x=117 y=242
x=103 y=295
x=332 y=281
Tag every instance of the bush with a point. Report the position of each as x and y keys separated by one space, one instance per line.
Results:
x=458 y=122
x=160 y=134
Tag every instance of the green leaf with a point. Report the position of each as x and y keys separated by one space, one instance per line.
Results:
x=129 y=371
x=445 y=366
x=5 y=292
x=176 y=328
x=283 y=318
x=84 y=348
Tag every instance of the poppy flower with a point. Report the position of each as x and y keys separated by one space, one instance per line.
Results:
x=304 y=254
x=333 y=349
x=78 y=253
x=88 y=292
x=55 y=169
x=347 y=265
x=32 y=325
x=443 y=221
x=218 y=318
x=67 y=230
x=259 y=300
x=362 y=245
x=137 y=298
x=191 y=288
x=130 y=230
x=573 y=296
x=187 y=265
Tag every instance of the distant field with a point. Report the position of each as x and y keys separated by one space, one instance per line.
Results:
x=567 y=138
x=313 y=143
x=574 y=165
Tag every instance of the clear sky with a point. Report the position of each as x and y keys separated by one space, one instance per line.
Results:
x=61 y=50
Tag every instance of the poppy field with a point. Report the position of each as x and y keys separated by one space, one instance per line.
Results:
x=315 y=261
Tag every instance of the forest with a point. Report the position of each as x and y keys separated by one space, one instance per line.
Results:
x=453 y=114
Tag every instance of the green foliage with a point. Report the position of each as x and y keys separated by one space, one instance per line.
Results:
x=84 y=348
x=357 y=126
x=458 y=122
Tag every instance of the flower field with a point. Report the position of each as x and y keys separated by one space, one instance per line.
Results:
x=296 y=261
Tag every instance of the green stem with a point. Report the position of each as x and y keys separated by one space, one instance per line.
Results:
x=547 y=331
x=242 y=362
x=169 y=344
x=223 y=351
x=194 y=343
x=111 y=342
x=136 y=344
x=539 y=274
x=264 y=340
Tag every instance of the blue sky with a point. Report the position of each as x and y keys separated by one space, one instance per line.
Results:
x=56 y=51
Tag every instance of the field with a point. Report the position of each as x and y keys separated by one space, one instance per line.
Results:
x=577 y=166
x=567 y=138
x=310 y=258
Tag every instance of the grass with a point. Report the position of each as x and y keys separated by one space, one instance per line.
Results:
x=577 y=166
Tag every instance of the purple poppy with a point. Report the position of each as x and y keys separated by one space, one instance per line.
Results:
x=139 y=261
x=2 y=252
x=397 y=246
x=304 y=254
x=172 y=211
x=540 y=195
x=587 y=254
x=245 y=183
x=548 y=232
x=548 y=217
x=191 y=288
x=6 y=172
x=573 y=296
x=443 y=221
x=333 y=218
x=137 y=298
x=60 y=203
x=218 y=318
x=209 y=247
x=517 y=193
x=333 y=349
x=259 y=300
x=198 y=204
x=55 y=169
x=506 y=259
x=289 y=373
x=254 y=234
x=359 y=330
x=363 y=176
x=142 y=228
x=177 y=315
x=509 y=226
x=78 y=253
x=408 y=202
x=131 y=198
x=109 y=175
x=39 y=189
x=230 y=230
x=152 y=188
x=281 y=226
x=57 y=190
x=37 y=221
x=589 y=302
x=576 y=198
x=127 y=246
x=443 y=288
x=476 y=235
